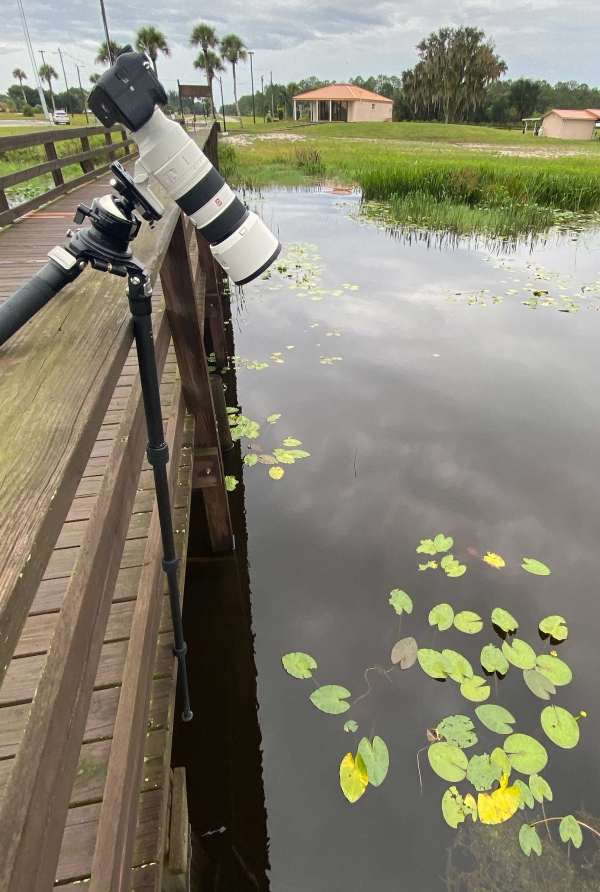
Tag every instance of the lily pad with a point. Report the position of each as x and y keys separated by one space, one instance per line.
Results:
x=499 y=806
x=351 y=726
x=526 y=796
x=529 y=840
x=376 y=758
x=475 y=689
x=482 y=772
x=405 y=652
x=266 y=459
x=298 y=664
x=427 y=547
x=432 y=662
x=538 y=684
x=540 y=788
x=494 y=560
x=554 y=668
x=500 y=758
x=452 y=567
x=290 y=441
x=555 y=627
x=493 y=660
x=250 y=459
x=331 y=698
x=273 y=418
x=458 y=731
x=353 y=777
x=560 y=726
x=448 y=761
x=569 y=829
x=455 y=809
x=441 y=616
x=443 y=543
x=284 y=456
x=457 y=666
x=525 y=753
x=535 y=567
x=504 y=620
x=519 y=653
x=276 y=473
x=400 y=601
x=469 y=622
x=496 y=718
x=230 y=482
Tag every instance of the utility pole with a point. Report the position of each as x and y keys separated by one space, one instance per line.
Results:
x=32 y=58
x=66 y=84
x=108 y=47
x=251 y=53
x=262 y=95
x=223 y=106
x=272 y=107
x=41 y=52
x=83 y=96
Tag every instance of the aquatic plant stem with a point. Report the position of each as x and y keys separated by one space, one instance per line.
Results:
x=581 y=824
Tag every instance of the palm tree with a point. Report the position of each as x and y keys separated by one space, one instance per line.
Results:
x=104 y=57
x=20 y=75
x=152 y=41
x=204 y=36
x=211 y=65
x=47 y=73
x=233 y=50
x=95 y=77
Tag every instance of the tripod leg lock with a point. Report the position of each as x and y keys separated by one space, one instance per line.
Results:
x=171 y=566
x=158 y=455
x=180 y=652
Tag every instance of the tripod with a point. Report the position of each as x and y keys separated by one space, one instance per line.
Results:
x=104 y=245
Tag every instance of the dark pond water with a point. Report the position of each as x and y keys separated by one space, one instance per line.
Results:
x=447 y=412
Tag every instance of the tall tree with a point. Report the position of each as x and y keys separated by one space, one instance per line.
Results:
x=205 y=36
x=152 y=41
x=524 y=95
x=47 y=73
x=20 y=75
x=211 y=65
x=103 y=57
x=456 y=66
x=233 y=50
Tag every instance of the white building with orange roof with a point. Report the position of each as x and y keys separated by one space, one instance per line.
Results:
x=565 y=123
x=345 y=102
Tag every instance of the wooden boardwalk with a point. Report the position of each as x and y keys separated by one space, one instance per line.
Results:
x=87 y=691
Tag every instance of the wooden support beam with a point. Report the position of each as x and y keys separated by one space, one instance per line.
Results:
x=86 y=166
x=108 y=141
x=178 y=288
x=213 y=308
x=51 y=155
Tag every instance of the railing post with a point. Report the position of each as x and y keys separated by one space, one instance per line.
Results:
x=124 y=137
x=213 y=309
x=108 y=141
x=51 y=155
x=88 y=165
x=186 y=329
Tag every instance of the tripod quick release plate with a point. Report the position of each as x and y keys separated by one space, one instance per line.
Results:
x=134 y=197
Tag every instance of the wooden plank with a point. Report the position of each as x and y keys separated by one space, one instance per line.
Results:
x=116 y=831
x=37 y=800
x=54 y=164
x=179 y=841
x=178 y=288
x=27 y=140
x=143 y=879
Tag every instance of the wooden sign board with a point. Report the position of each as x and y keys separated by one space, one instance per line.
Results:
x=193 y=91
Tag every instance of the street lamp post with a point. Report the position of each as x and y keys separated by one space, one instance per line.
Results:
x=223 y=106
x=251 y=53
x=66 y=82
x=108 y=47
x=83 y=96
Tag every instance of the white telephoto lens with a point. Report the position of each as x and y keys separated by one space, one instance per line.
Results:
x=239 y=240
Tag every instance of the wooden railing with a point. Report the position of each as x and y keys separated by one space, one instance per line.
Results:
x=57 y=378
x=55 y=164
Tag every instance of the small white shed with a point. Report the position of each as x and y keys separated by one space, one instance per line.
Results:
x=565 y=123
x=345 y=102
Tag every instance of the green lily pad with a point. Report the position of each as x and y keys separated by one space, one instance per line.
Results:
x=569 y=829
x=500 y=758
x=553 y=668
x=504 y=620
x=351 y=726
x=452 y=567
x=540 y=788
x=535 y=567
x=230 y=482
x=455 y=809
x=331 y=698
x=400 y=601
x=250 y=459
x=526 y=796
x=432 y=662
x=458 y=731
x=298 y=664
x=353 y=777
x=560 y=726
x=449 y=762
x=529 y=840
x=519 y=653
x=496 y=718
x=376 y=757
x=482 y=772
x=441 y=616
x=427 y=547
x=555 y=627
x=273 y=418
x=457 y=666
x=298 y=453
x=475 y=689
x=538 y=684
x=469 y=622
x=405 y=652
x=493 y=660
x=443 y=543
x=290 y=441
x=526 y=754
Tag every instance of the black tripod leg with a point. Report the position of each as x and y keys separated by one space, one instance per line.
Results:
x=140 y=304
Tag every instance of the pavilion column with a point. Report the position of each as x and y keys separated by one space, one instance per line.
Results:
x=330 y=111
x=295 y=119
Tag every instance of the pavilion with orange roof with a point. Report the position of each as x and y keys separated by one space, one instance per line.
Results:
x=345 y=102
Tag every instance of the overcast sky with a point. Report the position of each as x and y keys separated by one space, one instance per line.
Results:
x=334 y=39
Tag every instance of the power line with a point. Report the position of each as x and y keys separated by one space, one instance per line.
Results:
x=32 y=57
